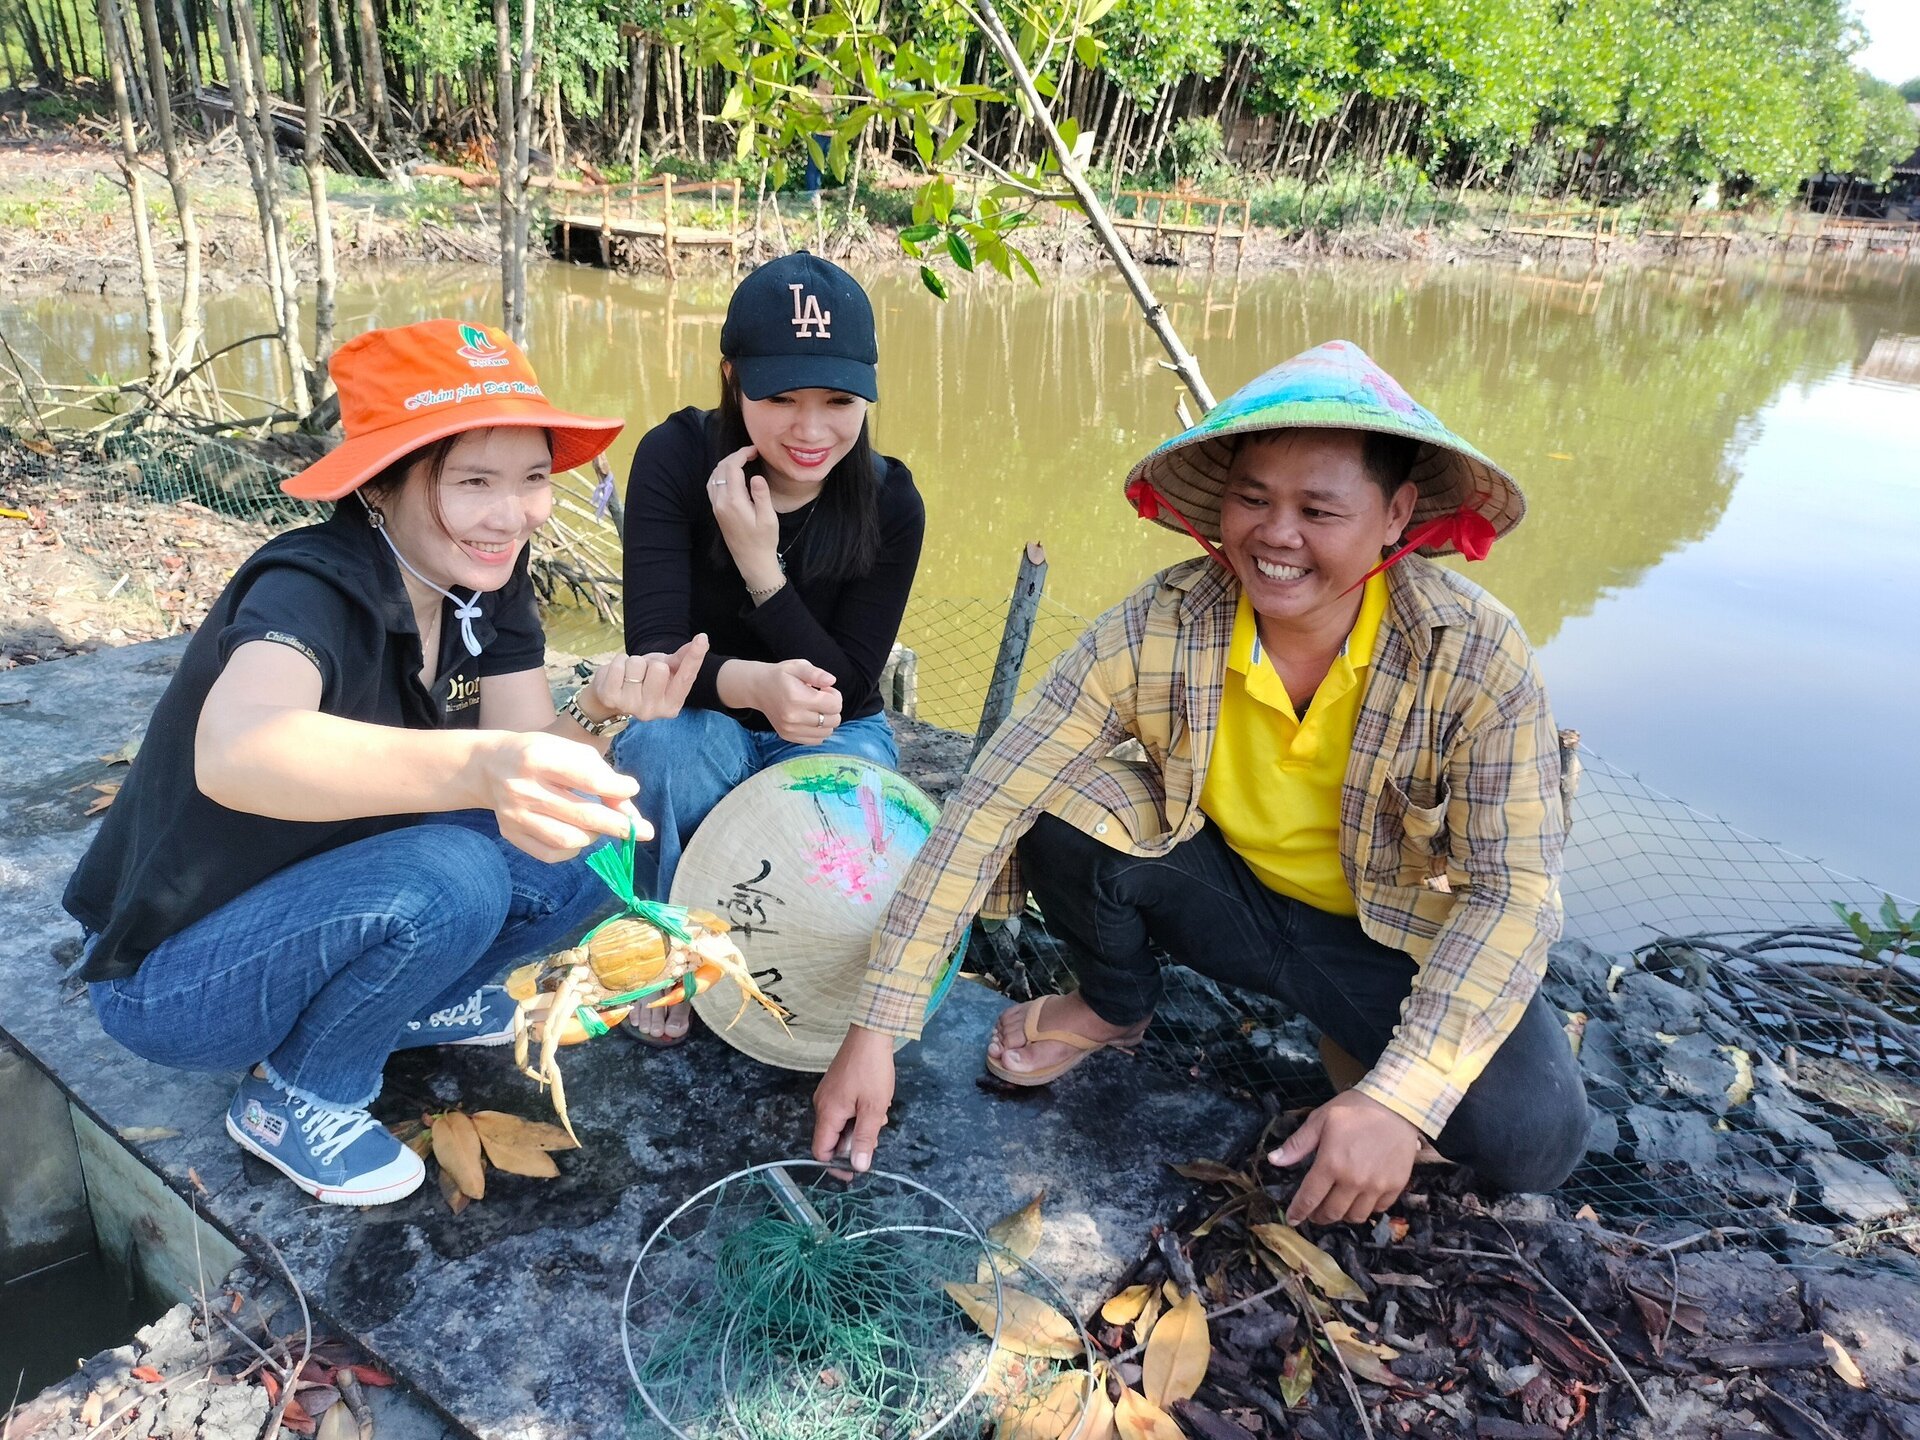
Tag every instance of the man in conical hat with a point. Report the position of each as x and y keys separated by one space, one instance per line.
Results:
x=1350 y=800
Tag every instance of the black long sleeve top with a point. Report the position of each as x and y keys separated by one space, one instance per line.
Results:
x=674 y=588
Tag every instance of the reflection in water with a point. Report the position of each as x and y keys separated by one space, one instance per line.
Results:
x=1640 y=411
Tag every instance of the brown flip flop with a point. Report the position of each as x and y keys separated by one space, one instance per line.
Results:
x=1034 y=1031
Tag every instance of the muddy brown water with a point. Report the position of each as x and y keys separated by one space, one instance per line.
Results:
x=1721 y=563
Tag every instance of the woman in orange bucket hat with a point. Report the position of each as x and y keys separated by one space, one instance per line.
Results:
x=355 y=804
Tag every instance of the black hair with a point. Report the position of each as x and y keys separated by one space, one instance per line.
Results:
x=393 y=477
x=1389 y=460
x=842 y=539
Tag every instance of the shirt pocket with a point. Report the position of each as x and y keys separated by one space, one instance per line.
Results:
x=1410 y=836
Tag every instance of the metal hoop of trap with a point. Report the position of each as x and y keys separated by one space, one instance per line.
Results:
x=924 y=1403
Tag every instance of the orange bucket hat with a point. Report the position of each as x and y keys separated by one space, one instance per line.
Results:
x=411 y=385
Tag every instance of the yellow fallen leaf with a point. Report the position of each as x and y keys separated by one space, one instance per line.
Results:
x=1843 y=1364
x=1177 y=1355
x=142 y=1134
x=1027 y=1327
x=1136 y=1418
x=1558 y=455
x=1017 y=1234
x=1171 y=1291
x=1308 y=1259
x=1212 y=1172
x=1741 y=1090
x=1296 y=1376
x=1149 y=1315
x=124 y=755
x=536 y=1134
x=456 y=1145
x=103 y=800
x=1364 y=1360
x=1125 y=1308
x=1074 y=1406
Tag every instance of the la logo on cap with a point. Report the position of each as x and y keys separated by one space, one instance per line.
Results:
x=479 y=351
x=809 y=321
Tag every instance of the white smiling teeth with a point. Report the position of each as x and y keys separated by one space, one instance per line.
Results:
x=1280 y=572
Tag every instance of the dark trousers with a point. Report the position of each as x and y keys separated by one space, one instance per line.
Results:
x=1522 y=1124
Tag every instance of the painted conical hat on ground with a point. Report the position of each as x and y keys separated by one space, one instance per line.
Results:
x=802 y=859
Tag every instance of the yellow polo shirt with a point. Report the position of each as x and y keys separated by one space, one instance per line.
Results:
x=1273 y=780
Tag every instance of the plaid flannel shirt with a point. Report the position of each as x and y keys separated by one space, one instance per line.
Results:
x=1452 y=814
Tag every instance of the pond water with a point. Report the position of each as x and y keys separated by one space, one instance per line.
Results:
x=1719 y=563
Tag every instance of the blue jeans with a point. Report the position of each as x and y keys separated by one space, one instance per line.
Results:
x=315 y=970
x=687 y=763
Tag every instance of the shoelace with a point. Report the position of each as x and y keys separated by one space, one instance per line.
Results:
x=330 y=1132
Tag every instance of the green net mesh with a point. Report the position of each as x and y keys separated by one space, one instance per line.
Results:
x=781 y=1304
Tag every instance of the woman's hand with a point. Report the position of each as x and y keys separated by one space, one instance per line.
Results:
x=743 y=507
x=799 y=701
x=647 y=687
x=535 y=783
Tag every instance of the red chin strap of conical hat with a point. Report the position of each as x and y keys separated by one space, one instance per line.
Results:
x=1466 y=530
x=1149 y=503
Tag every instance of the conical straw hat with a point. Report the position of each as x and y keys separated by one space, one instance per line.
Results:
x=1334 y=386
x=802 y=860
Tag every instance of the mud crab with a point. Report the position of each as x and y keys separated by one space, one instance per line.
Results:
x=657 y=956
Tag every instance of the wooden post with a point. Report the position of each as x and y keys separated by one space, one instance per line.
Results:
x=666 y=221
x=733 y=232
x=1022 y=610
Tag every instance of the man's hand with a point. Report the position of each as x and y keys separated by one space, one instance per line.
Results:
x=1363 y=1156
x=850 y=1103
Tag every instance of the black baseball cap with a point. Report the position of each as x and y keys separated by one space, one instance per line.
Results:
x=800 y=323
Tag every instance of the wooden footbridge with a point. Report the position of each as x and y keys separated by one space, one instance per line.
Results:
x=637 y=218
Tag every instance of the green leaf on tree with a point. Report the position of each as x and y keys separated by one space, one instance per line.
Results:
x=933 y=282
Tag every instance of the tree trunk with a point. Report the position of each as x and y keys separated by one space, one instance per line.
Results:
x=239 y=51
x=117 y=56
x=189 y=53
x=79 y=34
x=700 y=113
x=636 y=103
x=556 y=129
x=341 y=55
x=314 y=86
x=43 y=57
x=373 y=73
x=515 y=122
x=192 y=319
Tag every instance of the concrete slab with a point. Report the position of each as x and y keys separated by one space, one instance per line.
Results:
x=505 y=1318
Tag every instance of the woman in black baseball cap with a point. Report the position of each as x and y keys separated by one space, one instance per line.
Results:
x=771 y=525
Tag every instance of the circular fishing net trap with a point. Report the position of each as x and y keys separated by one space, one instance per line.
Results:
x=781 y=1304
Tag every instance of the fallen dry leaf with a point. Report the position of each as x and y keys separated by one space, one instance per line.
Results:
x=1843 y=1364
x=456 y=1145
x=538 y=1134
x=1212 y=1172
x=1017 y=1234
x=146 y=1374
x=1027 y=1326
x=104 y=800
x=1177 y=1355
x=296 y=1419
x=1367 y=1361
x=1137 y=1418
x=1125 y=1308
x=1308 y=1259
x=141 y=1134
x=1064 y=1410
x=525 y=1160
x=1296 y=1376
x=124 y=755
x=1149 y=1315
x=90 y=1411
x=337 y=1423
x=456 y=1198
